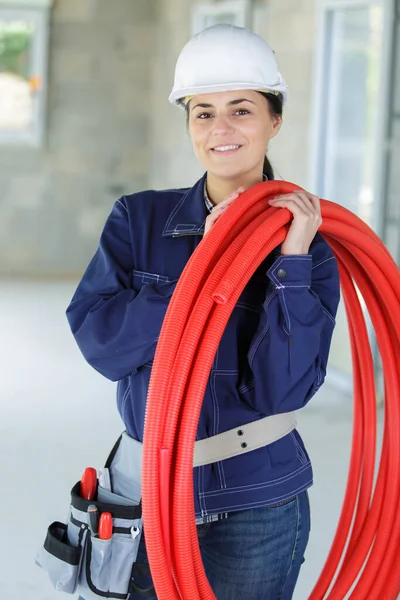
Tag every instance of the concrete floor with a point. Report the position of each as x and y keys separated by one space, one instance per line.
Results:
x=58 y=416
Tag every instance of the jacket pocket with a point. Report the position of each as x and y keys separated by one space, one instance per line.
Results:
x=143 y=277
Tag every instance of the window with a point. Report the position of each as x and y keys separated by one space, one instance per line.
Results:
x=349 y=104
x=351 y=94
x=234 y=12
x=23 y=53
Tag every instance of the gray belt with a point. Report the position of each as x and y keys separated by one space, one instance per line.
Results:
x=127 y=464
x=243 y=439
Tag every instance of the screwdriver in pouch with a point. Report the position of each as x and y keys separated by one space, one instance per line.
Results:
x=93 y=519
x=105 y=526
x=88 y=484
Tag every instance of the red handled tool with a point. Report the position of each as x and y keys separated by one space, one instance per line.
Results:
x=105 y=526
x=88 y=484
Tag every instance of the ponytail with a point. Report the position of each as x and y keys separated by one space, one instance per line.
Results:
x=267 y=169
x=275 y=103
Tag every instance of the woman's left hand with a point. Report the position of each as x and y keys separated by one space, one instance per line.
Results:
x=306 y=211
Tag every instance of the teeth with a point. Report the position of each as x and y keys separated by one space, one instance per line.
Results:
x=226 y=148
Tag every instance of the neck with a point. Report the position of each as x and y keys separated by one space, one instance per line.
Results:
x=219 y=189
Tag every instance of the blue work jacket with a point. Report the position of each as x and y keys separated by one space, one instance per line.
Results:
x=272 y=357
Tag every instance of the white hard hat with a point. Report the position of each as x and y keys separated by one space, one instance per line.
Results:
x=223 y=58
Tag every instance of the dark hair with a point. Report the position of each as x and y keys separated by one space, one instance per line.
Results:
x=275 y=103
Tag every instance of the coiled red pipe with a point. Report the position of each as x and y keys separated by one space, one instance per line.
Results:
x=363 y=560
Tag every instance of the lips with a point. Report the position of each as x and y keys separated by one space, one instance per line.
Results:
x=222 y=149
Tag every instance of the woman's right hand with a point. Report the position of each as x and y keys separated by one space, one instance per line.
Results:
x=219 y=209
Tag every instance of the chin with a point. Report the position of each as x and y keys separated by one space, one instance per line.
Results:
x=227 y=172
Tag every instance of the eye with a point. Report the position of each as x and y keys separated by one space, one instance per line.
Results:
x=204 y=115
x=242 y=111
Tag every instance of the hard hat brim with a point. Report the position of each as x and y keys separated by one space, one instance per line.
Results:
x=177 y=96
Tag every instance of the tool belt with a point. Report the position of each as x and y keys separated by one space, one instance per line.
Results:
x=76 y=560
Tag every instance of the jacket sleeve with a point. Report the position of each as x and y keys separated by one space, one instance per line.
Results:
x=116 y=327
x=289 y=353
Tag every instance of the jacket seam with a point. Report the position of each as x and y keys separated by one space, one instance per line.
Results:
x=287 y=325
x=259 y=485
x=264 y=332
x=259 y=503
x=328 y=314
x=220 y=466
x=173 y=213
x=323 y=262
x=124 y=399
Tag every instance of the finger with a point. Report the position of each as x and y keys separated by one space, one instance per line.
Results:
x=212 y=218
x=313 y=202
x=306 y=201
x=310 y=199
x=295 y=204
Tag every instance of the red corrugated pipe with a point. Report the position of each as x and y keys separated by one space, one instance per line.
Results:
x=364 y=554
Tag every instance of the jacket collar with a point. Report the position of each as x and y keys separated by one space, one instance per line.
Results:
x=189 y=215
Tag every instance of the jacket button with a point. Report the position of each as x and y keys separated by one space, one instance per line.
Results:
x=281 y=273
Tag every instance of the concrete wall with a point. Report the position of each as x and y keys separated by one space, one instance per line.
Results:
x=53 y=201
x=111 y=129
x=290 y=27
x=172 y=162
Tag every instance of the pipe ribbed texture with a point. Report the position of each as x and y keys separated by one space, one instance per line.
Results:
x=364 y=554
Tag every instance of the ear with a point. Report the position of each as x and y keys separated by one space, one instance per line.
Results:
x=276 y=125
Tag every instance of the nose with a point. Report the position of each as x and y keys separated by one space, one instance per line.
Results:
x=222 y=125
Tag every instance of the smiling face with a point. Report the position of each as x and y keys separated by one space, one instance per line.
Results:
x=230 y=132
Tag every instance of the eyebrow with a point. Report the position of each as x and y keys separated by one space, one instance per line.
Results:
x=231 y=103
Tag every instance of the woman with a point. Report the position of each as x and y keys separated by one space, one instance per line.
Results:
x=252 y=510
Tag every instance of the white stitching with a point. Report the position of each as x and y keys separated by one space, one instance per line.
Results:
x=329 y=315
x=254 y=347
x=283 y=287
x=247 y=387
x=201 y=494
x=216 y=424
x=177 y=207
x=300 y=451
x=124 y=399
x=260 y=485
x=322 y=262
x=271 y=271
x=151 y=276
x=287 y=316
x=231 y=507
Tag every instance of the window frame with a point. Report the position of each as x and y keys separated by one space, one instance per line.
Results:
x=37 y=13
x=322 y=79
x=336 y=377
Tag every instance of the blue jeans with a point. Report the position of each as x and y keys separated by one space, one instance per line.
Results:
x=255 y=554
